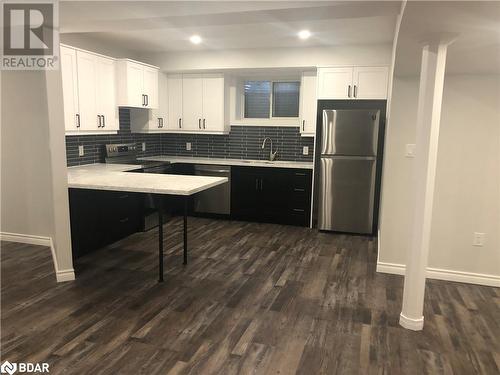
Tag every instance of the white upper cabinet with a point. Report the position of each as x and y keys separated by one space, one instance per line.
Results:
x=137 y=84
x=308 y=103
x=106 y=93
x=174 y=108
x=213 y=103
x=370 y=82
x=154 y=120
x=192 y=101
x=196 y=103
x=70 y=89
x=335 y=83
x=360 y=82
x=89 y=92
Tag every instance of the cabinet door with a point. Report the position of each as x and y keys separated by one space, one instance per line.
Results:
x=174 y=111
x=370 y=82
x=150 y=87
x=135 y=84
x=106 y=93
x=245 y=193
x=87 y=91
x=335 y=83
x=159 y=120
x=70 y=88
x=213 y=102
x=308 y=103
x=192 y=101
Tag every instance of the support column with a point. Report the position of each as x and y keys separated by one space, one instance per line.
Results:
x=427 y=136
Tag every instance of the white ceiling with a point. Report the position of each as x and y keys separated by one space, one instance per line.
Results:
x=476 y=25
x=145 y=26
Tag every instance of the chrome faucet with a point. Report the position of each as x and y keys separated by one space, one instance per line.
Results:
x=272 y=155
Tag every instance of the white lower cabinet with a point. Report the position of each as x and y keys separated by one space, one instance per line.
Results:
x=89 y=92
x=308 y=104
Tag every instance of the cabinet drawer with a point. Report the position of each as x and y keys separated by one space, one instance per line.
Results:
x=301 y=180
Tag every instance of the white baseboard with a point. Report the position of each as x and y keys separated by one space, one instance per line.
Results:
x=409 y=323
x=61 y=275
x=444 y=274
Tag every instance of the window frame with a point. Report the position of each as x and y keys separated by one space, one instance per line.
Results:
x=271 y=98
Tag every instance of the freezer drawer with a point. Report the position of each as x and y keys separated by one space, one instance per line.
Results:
x=350 y=132
x=346 y=194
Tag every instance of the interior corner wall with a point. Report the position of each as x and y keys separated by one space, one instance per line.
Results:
x=261 y=58
x=26 y=187
x=467 y=192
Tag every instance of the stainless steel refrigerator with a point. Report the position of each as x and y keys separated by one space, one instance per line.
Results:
x=348 y=165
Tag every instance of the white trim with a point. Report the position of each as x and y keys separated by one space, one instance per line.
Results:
x=444 y=274
x=61 y=275
x=409 y=323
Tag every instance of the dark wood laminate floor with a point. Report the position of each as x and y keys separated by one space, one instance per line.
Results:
x=254 y=299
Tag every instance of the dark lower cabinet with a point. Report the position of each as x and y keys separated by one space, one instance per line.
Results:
x=274 y=195
x=99 y=218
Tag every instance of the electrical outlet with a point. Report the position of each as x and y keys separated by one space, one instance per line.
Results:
x=188 y=146
x=143 y=146
x=81 y=151
x=478 y=239
x=410 y=150
x=305 y=150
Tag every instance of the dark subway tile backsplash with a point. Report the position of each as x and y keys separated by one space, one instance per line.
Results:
x=243 y=142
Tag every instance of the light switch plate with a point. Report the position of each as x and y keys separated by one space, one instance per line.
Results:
x=410 y=150
x=143 y=146
x=305 y=150
x=478 y=239
x=81 y=151
x=188 y=146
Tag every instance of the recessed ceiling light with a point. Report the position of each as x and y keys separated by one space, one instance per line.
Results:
x=195 y=39
x=304 y=34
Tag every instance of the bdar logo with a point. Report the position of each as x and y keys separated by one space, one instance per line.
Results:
x=8 y=368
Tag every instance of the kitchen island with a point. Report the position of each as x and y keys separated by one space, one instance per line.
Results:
x=117 y=177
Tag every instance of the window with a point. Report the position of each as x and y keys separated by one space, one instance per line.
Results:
x=270 y=99
x=257 y=99
x=286 y=99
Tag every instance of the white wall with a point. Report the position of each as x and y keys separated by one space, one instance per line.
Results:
x=271 y=58
x=467 y=195
x=34 y=195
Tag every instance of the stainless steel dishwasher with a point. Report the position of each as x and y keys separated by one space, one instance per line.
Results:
x=216 y=200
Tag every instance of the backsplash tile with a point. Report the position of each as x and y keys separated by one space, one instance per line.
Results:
x=243 y=142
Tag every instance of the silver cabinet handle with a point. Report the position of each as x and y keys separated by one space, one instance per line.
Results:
x=99 y=121
x=349 y=91
x=199 y=123
x=159 y=122
x=147 y=100
x=143 y=100
x=303 y=125
x=355 y=91
x=77 y=120
x=103 y=121
x=180 y=123
x=204 y=121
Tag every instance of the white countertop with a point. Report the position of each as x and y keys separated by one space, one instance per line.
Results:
x=235 y=162
x=116 y=178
